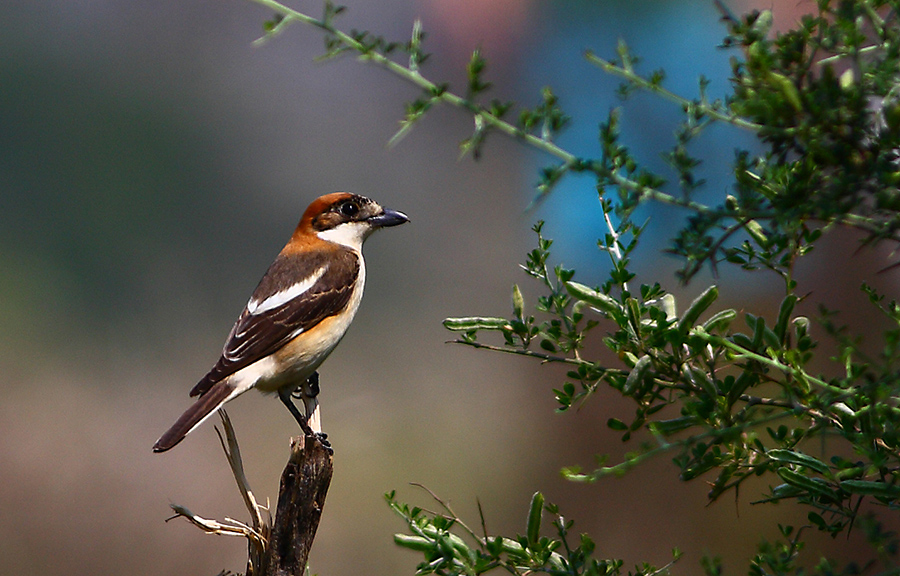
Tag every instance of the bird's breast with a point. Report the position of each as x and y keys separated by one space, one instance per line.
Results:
x=299 y=358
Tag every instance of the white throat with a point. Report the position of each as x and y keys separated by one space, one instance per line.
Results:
x=349 y=234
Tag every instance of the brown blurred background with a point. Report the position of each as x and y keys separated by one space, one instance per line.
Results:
x=153 y=161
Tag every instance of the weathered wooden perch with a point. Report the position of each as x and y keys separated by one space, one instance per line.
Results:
x=278 y=548
x=304 y=484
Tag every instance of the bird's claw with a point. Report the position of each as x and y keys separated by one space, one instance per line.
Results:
x=323 y=440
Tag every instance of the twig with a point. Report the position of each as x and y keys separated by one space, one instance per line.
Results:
x=711 y=111
x=233 y=455
x=261 y=526
x=531 y=353
x=446 y=506
x=228 y=527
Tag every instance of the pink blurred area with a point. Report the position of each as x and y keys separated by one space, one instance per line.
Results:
x=153 y=161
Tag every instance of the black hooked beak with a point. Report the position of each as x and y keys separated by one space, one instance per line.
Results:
x=389 y=218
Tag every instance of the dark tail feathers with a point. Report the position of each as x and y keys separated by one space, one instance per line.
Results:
x=202 y=408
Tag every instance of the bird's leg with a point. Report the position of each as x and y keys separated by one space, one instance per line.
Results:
x=310 y=388
x=313 y=385
x=310 y=393
x=285 y=395
x=307 y=392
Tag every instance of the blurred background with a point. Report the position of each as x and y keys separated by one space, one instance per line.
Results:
x=152 y=163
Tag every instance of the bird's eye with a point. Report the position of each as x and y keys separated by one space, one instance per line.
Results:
x=349 y=209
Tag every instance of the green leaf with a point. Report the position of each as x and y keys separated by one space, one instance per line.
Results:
x=636 y=376
x=758 y=325
x=817 y=520
x=533 y=528
x=791 y=457
x=784 y=317
x=743 y=341
x=785 y=491
x=744 y=380
x=757 y=233
x=813 y=486
x=669 y=427
x=697 y=307
x=518 y=301
x=616 y=424
x=870 y=488
x=701 y=378
x=720 y=320
x=476 y=323
x=667 y=304
x=787 y=89
x=634 y=315
x=598 y=300
x=417 y=543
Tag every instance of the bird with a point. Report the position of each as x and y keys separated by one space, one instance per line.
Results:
x=296 y=316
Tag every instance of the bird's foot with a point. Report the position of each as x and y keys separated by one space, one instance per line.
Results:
x=323 y=440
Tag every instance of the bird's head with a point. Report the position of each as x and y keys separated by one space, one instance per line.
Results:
x=347 y=219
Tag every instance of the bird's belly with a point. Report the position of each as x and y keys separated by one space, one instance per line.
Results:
x=299 y=358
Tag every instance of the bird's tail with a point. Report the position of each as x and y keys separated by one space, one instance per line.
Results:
x=202 y=409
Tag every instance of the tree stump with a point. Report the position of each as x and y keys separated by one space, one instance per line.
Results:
x=304 y=485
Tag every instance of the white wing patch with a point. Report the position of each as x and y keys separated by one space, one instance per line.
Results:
x=284 y=296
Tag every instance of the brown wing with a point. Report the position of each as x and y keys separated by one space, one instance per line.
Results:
x=255 y=336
